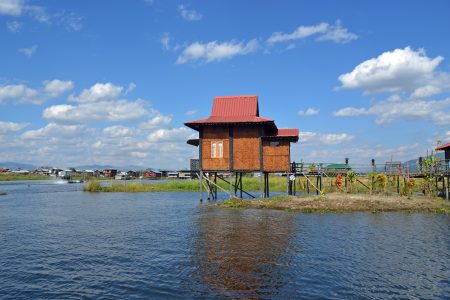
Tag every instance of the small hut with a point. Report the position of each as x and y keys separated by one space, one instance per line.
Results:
x=445 y=148
x=234 y=138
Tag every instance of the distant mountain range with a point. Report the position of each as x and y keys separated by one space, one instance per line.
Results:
x=411 y=165
x=103 y=167
x=15 y=165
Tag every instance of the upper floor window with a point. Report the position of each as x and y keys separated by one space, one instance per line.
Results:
x=220 y=149
x=216 y=149
x=274 y=144
x=213 y=149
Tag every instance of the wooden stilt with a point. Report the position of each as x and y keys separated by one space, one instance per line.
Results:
x=228 y=182
x=307 y=185
x=231 y=185
x=317 y=184
x=320 y=182
x=265 y=185
x=446 y=190
x=215 y=185
x=240 y=179
x=208 y=188
x=294 y=183
x=436 y=183
x=261 y=185
x=309 y=181
x=287 y=184
x=201 y=186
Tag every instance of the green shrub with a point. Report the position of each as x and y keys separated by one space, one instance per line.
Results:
x=93 y=186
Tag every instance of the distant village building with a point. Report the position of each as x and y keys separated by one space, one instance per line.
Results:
x=337 y=168
x=109 y=172
x=446 y=149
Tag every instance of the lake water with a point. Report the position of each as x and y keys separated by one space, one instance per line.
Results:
x=57 y=242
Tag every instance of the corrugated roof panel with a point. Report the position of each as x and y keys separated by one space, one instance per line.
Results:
x=227 y=106
x=288 y=132
x=243 y=110
x=443 y=147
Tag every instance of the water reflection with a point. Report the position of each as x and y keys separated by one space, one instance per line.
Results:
x=243 y=253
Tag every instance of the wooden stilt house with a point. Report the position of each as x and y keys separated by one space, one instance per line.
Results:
x=234 y=138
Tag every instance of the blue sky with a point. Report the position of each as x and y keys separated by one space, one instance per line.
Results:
x=96 y=82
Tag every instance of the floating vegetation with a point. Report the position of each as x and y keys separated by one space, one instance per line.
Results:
x=340 y=202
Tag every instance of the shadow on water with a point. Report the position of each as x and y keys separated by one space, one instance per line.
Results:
x=242 y=253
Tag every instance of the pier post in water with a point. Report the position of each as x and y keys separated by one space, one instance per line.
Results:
x=231 y=185
x=446 y=188
x=201 y=186
x=261 y=184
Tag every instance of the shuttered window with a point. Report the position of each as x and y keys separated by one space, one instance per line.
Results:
x=213 y=149
x=220 y=149
x=216 y=149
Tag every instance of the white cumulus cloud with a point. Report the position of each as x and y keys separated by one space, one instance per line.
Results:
x=338 y=34
x=117 y=131
x=98 y=92
x=309 y=137
x=155 y=122
x=56 y=87
x=190 y=113
x=173 y=135
x=400 y=70
x=19 y=92
x=102 y=102
x=107 y=111
x=139 y=154
x=324 y=32
x=6 y=127
x=426 y=91
x=216 y=51
x=11 y=7
x=309 y=112
x=435 y=111
x=17 y=8
x=53 y=131
x=189 y=14
x=29 y=52
x=300 y=33
x=14 y=26
x=350 y=112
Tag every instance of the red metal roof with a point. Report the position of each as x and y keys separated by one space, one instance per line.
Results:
x=285 y=133
x=233 y=109
x=288 y=132
x=227 y=106
x=443 y=147
x=242 y=109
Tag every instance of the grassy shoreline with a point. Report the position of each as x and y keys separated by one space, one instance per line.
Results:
x=340 y=202
x=249 y=184
x=14 y=177
x=95 y=186
x=330 y=202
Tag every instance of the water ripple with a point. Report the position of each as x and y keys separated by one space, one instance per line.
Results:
x=60 y=243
